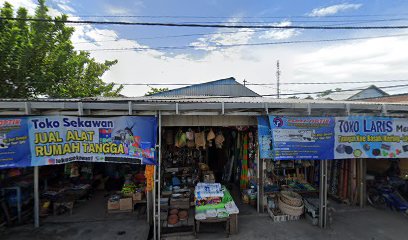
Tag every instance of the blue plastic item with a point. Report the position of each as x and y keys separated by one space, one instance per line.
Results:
x=175 y=181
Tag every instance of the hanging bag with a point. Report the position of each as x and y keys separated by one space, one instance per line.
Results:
x=199 y=139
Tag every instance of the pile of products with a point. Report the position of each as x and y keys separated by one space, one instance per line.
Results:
x=285 y=206
x=213 y=201
x=297 y=176
x=132 y=189
x=178 y=215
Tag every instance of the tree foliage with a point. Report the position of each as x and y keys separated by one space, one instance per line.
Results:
x=38 y=59
x=154 y=90
x=327 y=92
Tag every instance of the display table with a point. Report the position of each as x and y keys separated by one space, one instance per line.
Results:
x=227 y=221
x=214 y=204
x=231 y=222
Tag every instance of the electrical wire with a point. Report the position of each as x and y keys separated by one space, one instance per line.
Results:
x=255 y=84
x=243 y=17
x=239 y=45
x=345 y=90
x=192 y=25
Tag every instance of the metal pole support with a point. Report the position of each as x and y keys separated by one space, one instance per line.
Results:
x=36 y=199
x=323 y=194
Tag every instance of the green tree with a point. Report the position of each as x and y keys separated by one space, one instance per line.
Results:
x=38 y=59
x=154 y=90
x=327 y=92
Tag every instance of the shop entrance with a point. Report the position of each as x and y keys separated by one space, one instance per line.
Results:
x=93 y=191
x=213 y=155
x=80 y=195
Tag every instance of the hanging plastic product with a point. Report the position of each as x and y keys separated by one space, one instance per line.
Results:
x=190 y=134
x=190 y=143
x=219 y=140
x=210 y=137
x=169 y=137
x=177 y=139
x=183 y=140
x=199 y=139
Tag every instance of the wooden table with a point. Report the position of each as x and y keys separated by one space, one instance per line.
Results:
x=213 y=220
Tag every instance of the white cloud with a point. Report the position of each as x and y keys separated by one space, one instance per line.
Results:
x=113 y=10
x=334 y=9
x=28 y=4
x=363 y=60
x=66 y=7
x=280 y=34
x=31 y=5
x=222 y=37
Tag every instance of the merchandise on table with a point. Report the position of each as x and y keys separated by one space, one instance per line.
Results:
x=213 y=207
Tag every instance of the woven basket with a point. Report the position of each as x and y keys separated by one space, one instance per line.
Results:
x=290 y=210
x=291 y=198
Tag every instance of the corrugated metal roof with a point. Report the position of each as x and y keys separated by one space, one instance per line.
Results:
x=223 y=87
x=220 y=99
x=202 y=99
x=357 y=94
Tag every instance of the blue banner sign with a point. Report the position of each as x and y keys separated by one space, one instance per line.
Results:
x=14 y=143
x=264 y=138
x=302 y=138
x=48 y=140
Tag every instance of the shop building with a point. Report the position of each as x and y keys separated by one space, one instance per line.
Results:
x=232 y=126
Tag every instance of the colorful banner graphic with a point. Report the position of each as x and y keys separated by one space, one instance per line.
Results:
x=371 y=137
x=264 y=138
x=14 y=143
x=48 y=140
x=307 y=138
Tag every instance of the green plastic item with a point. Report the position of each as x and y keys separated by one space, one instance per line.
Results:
x=227 y=198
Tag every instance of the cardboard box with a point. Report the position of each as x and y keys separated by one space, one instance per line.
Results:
x=126 y=204
x=113 y=205
x=138 y=196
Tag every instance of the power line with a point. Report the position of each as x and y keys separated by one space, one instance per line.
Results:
x=193 y=25
x=173 y=36
x=345 y=90
x=239 y=45
x=243 y=17
x=255 y=84
x=344 y=82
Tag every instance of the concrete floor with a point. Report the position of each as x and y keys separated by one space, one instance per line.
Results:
x=89 y=221
x=348 y=223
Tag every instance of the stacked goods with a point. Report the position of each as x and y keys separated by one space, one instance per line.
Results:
x=291 y=203
x=285 y=206
x=128 y=189
x=213 y=201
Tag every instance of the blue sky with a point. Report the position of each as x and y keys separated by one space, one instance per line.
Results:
x=363 y=60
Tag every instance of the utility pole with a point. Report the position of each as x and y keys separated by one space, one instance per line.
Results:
x=278 y=73
x=245 y=81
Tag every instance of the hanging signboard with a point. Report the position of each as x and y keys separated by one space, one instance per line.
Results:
x=304 y=138
x=264 y=138
x=371 y=137
x=60 y=139
x=14 y=143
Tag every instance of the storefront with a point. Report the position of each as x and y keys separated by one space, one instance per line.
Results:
x=228 y=116
x=214 y=152
x=105 y=163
